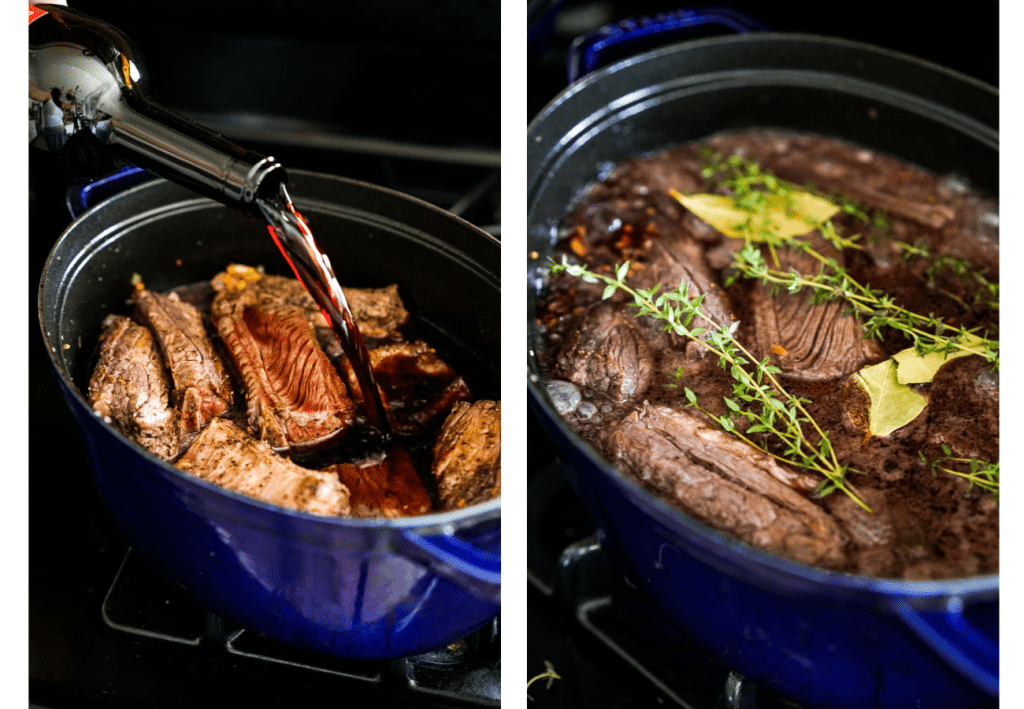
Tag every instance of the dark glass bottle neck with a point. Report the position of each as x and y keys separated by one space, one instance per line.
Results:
x=97 y=109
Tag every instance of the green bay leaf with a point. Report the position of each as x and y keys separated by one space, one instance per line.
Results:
x=893 y=405
x=784 y=215
x=915 y=369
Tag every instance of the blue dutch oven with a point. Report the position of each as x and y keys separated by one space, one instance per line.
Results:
x=357 y=588
x=819 y=638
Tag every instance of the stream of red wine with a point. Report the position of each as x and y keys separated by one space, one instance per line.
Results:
x=313 y=269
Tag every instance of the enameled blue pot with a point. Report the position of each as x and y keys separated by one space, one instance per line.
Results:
x=352 y=588
x=818 y=638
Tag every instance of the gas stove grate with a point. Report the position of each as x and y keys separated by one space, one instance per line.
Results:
x=142 y=604
x=613 y=623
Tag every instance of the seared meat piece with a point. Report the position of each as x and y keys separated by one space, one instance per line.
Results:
x=679 y=259
x=201 y=387
x=417 y=387
x=129 y=387
x=606 y=354
x=819 y=342
x=226 y=455
x=379 y=312
x=467 y=455
x=379 y=315
x=725 y=483
x=294 y=395
x=384 y=488
x=872 y=533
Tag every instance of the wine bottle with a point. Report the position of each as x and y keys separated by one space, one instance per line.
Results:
x=87 y=102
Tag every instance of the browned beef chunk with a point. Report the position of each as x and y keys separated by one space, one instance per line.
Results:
x=467 y=455
x=129 y=387
x=725 y=483
x=636 y=193
x=872 y=533
x=820 y=342
x=868 y=180
x=384 y=488
x=679 y=259
x=226 y=455
x=294 y=395
x=417 y=387
x=606 y=354
x=202 y=390
x=379 y=312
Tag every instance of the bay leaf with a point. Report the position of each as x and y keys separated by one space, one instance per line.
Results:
x=783 y=216
x=914 y=369
x=893 y=405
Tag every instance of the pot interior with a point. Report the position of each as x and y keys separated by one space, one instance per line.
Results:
x=447 y=270
x=913 y=110
x=890 y=103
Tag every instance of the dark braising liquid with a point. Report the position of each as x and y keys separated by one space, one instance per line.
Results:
x=313 y=269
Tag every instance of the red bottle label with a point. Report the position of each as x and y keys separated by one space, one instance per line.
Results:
x=34 y=13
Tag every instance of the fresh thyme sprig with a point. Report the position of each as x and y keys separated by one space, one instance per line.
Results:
x=781 y=414
x=980 y=472
x=748 y=183
x=956 y=266
x=751 y=188
x=549 y=673
x=927 y=332
x=962 y=268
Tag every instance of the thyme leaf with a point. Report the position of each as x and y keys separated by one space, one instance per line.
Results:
x=756 y=193
x=770 y=408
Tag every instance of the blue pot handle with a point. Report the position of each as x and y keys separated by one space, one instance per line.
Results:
x=964 y=646
x=477 y=571
x=635 y=35
x=80 y=198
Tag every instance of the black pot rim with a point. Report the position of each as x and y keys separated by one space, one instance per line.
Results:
x=427 y=525
x=765 y=39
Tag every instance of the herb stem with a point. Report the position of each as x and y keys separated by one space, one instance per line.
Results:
x=548 y=673
x=732 y=357
x=881 y=310
x=751 y=188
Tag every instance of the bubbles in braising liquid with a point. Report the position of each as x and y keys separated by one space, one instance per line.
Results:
x=988 y=378
x=951 y=185
x=982 y=221
x=604 y=170
x=564 y=395
x=830 y=169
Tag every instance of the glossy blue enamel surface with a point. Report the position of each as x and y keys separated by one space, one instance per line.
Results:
x=339 y=589
x=818 y=638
